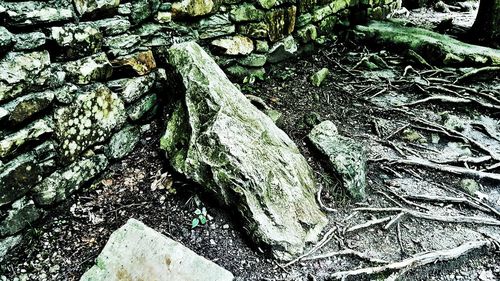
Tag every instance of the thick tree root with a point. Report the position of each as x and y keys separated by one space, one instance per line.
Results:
x=415 y=262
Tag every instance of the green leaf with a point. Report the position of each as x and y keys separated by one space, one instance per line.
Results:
x=195 y=222
x=203 y=219
x=198 y=212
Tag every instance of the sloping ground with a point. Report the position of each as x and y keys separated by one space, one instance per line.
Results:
x=383 y=107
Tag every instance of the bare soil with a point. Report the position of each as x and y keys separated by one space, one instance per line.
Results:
x=366 y=105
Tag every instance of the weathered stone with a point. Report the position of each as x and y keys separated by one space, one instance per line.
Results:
x=125 y=9
x=29 y=41
x=307 y=34
x=215 y=26
x=193 y=8
x=19 y=70
x=220 y=140
x=241 y=72
x=90 y=119
x=137 y=252
x=246 y=12
x=254 y=30
x=122 y=45
x=163 y=17
x=141 y=107
x=303 y=20
x=89 y=69
x=143 y=10
x=76 y=41
x=20 y=14
x=130 y=89
x=59 y=185
x=113 y=26
x=261 y=46
x=253 y=60
x=22 y=213
x=65 y=94
x=318 y=77
x=94 y=7
x=165 y=7
x=281 y=22
x=32 y=132
x=235 y=45
x=19 y=175
x=7 y=244
x=283 y=50
x=123 y=142
x=470 y=186
x=7 y=40
x=344 y=154
x=327 y=25
x=266 y=4
x=23 y=108
x=140 y=63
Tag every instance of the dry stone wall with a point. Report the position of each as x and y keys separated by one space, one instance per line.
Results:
x=81 y=79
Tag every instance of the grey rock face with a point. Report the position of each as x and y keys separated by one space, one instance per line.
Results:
x=220 y=140
x=141 y=107
x=283 y=50
x=143 y=9
x=92 y=7
x=26 y=106
x=19 y=70
x=137 y=252
x=7 y=244
x=123 y=142
x=6 y=39
x=215 y=26
x=19 y=175
x=32 y=132
x=21 y=14
x=29 y=41
x=59 y=185
x=130 y=89
x=21 y=214
x=76 y=41
x=90 y=119
x=345 y=155
x=113 y=26
x=89 y=69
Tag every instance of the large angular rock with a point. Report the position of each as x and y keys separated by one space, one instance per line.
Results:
x=29 y=41
x=344 y=154
x=234 y=45
x=193 y=8
x=19 y=70
x=281 y=22
x=130 y=89
x=18 y=176
x=220 y=140
x=76 y=41
x=215 y=26
x=137 y=252
x=90 y=119
x=123 y=142
x=140 y=63
x=59 y=185
x=23 y=108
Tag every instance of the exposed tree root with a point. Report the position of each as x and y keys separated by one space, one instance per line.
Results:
x=347 y=252
x=478 y=71
x=417 y=261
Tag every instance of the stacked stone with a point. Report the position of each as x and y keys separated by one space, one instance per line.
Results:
x=78 y=85
x=79 y=79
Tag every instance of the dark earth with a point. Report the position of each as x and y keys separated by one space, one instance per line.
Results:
x=365 y=104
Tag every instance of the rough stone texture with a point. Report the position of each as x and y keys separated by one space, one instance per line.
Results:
x=193 y=8
x=29 y=41
x=282 y=50
x=130 y=89
x=76 y=41
x=30 y=133
x=219 y=139
x=19 y=175
x=90 y=119
x=318 y=77
x=7 y=40
x=22 y=213
x=123 y=142
x=89 y=69
x=142 y=10
x=18 y=72
x=20 y=14
x=281 y=22
x=137 y=252
x=257 y=30
x=215 y=26
x=93 y=7
x=113 y=26
x=246 y=12
x=6 y=244
x=26 y=106
x=345 y=156
x=141 y=63
x=141 y=107
x=59 y=185
x=235 y=45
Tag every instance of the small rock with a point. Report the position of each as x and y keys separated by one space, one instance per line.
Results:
x=22 y=213
x=318 y=77
x=470 y=186
x=89 y=69
x=235 y=45
x=282 y=50
x=141 y=63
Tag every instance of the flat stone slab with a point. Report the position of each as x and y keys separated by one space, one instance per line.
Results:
x=137 y=252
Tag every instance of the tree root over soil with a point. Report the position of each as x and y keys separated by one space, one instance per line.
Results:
x=417 y=261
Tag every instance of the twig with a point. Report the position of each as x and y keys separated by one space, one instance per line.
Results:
x=347 y=252
x=368 y=224
x=326 y=238
x=417 y=261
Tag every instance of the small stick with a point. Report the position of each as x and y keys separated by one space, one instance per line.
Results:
x=368 y=223
x=396 y=219
x=347 y=252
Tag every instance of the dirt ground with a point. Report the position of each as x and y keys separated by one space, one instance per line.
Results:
x=374 y=106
